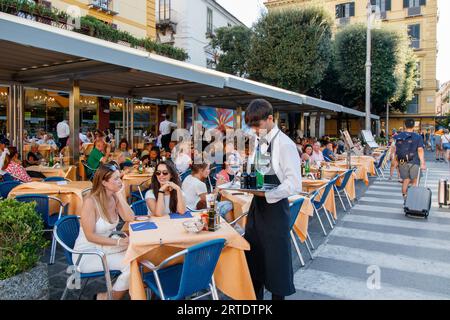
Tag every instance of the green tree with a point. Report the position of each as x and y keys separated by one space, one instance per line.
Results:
x=390 y=54
x=291 y=49
x=233 y=44
x=406 y=93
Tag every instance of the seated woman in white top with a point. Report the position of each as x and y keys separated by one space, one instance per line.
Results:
x=195 y=190
x=165 y=195
x=99 y=218
x=317 y=155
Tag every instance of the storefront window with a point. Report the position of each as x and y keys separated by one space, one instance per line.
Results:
x=145 y=122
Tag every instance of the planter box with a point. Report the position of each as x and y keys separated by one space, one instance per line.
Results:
x=31 y=285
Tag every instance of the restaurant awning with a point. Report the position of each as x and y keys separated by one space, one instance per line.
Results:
x=37 y=55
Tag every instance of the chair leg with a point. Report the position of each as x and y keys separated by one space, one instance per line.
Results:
x=310 y=242
x=328 y=217
x=64 y=295
x=348 y=199
x=340 y=198
x=302 y=262
x=214 y=289
x=320 y=221
x=53 y=251
x=309 y=250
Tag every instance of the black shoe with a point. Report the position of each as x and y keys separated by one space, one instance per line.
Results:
x=94 y=297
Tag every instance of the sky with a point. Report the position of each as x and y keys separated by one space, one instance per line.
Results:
x=248 y=11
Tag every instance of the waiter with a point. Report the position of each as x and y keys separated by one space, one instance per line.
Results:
x=165 y=128
x=267 y=229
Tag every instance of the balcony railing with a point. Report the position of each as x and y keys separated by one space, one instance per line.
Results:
x=414 y=11
x=343 y=21
x=415 y=43
x=383 y=15
x=106 y=6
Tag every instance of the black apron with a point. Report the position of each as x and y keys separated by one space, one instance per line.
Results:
x=267 y=231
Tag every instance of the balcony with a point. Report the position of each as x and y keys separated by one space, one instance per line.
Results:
x=106 y=6
x=415 y=44
x=414 y=11
x=166 y=26
x=383 y=15
x=343 y=21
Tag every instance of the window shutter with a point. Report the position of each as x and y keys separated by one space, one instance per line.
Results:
x=405 y=3
x=352 y=9
x=338 y=11
x=388 y=5
x=423 y=2
x=373 y=2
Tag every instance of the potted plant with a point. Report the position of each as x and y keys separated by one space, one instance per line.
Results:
x=22 y=276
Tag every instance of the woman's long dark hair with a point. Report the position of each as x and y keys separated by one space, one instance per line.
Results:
x=175 y=179
x=9 y=157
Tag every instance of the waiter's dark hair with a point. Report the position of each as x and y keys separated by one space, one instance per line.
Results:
x=258 y=110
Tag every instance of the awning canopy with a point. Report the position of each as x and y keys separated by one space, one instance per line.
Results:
x=42 y=56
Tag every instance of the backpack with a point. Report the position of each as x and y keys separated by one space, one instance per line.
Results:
x=404 y=148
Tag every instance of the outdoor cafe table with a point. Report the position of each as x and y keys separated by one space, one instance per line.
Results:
x=44 y=149
x=363 y=168
x=135 y=178
x=310 y=185
x=71 y=193
x=241 y=204
x=332 y=171
x=231 y=275
x=68 y=172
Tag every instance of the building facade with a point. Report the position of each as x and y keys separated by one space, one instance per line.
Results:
x=443 y=100
x=418 y=18
x=190 y=25
x=134 y=16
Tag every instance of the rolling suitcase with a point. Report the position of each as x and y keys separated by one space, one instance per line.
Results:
x=443 y=193
x=418 y=200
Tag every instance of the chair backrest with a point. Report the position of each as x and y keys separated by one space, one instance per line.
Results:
x=326 y=191
x=7 y=186
x=346 y=179
x=380 y=162
x=55 y=179
x=88 y=171
x=66 y=232
x=185 y=174
x=199 y=264
x=42 y=204
x=294 y=209
x=140 y=208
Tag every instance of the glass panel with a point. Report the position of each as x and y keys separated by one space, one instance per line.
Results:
x=4 y=96
x=413 y=107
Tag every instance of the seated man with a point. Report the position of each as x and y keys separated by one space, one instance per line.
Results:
x=33 y=157
x=328 y=153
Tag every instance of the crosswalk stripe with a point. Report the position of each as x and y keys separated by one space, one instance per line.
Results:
x=406 y=223
x=375 y=209
x=395 y=262
x=346 y=288
x=425 y=243
x=377 y=200
x=381 y=193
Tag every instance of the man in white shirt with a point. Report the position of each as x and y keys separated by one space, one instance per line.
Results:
x=63 y=132
x=267 y=229
x=165 y=128
x=4 y=143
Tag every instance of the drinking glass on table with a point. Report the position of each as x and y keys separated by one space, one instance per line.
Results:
x=235 y=165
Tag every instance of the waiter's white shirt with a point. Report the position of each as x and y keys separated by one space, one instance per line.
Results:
x=286 y=165
x=3 y=155
x=63 y=130
x=166 y=126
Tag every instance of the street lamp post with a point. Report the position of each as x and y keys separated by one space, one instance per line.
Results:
x=368 y=63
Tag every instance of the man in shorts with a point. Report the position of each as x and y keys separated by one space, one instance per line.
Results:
x=410 y=154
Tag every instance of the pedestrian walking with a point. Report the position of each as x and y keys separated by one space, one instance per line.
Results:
x=410 y=154
x=63 y=132
x=446 y=144
x=438 y=144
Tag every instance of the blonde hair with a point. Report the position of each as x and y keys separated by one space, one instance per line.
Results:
x=98 y=193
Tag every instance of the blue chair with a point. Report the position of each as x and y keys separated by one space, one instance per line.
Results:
x=140 y=208
x=339 y=189
x=66 y=232
x=319 y=204
x=56 y=179
x=89 y=172
x=294 y=209
x=185 y=174
x=6 y=187
x=50 y=218
x=140 y=192
x=193 y=275
x=379 y=165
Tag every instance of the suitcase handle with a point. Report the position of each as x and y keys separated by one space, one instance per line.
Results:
x=426 y=177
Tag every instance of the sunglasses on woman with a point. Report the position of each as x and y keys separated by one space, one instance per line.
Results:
x=164 y=173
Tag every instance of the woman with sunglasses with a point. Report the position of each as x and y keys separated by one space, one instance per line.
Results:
x=165 y=195
x=99 y=219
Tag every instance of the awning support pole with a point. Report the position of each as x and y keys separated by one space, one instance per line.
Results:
x=74 y=122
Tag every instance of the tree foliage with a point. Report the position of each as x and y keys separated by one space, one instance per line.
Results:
x=234 y=46
x=391 y=58
x=291 y=49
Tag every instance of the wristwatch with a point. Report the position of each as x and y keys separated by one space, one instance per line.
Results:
x=160 y=191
